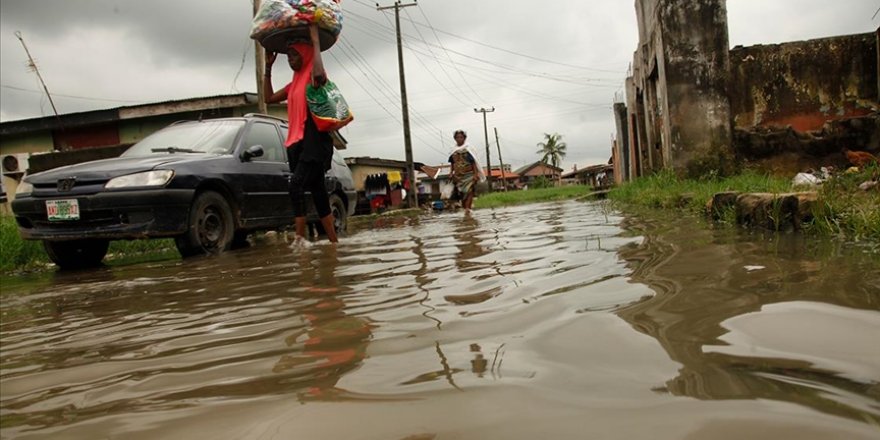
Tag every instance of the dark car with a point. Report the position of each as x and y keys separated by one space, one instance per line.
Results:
x=205 y=183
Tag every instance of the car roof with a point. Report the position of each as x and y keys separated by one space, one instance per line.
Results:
x=249 y=116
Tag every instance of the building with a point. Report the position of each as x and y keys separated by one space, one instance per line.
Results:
x=363 y=169
x=529 y=173
x=695 y=106
x=596 y=176
x=511 y=179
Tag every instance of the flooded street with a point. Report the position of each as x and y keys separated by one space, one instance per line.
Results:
x=556 y=321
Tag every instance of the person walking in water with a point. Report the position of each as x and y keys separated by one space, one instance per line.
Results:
x=466 y=170
x=309 y=151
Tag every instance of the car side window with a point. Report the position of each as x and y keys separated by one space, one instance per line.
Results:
x=265 y=134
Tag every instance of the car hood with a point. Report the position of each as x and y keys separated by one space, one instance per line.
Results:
x=106 y=169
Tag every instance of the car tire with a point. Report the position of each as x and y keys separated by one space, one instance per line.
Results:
x=340 y=217
x=76 y=254
x=211 y=227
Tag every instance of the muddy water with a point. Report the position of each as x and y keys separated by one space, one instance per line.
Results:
x=547 y=321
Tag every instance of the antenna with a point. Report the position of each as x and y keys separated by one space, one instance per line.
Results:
x=32 y=65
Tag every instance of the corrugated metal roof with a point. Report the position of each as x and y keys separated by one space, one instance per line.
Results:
x=125 y=112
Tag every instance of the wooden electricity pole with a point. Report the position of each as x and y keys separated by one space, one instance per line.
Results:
x=503 y=177
x=261 y=67
x=411 y=199
x=486 y=134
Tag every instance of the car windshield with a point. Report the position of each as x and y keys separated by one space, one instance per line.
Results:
x=211 y=137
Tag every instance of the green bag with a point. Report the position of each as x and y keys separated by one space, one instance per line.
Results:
x=327 y=106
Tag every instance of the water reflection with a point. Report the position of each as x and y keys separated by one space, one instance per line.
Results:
x=707 y=282
x=331 y=342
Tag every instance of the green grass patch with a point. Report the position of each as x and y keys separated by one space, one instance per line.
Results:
x=842 y=210
x=17 y=255
x=497 y=199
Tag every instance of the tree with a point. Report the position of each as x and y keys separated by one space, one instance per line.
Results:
x=552 y=149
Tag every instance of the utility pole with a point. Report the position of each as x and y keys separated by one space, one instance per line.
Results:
x=407 y=139
x=486 y=133
x=503 y=177
x=260 y=55
x=33 y=66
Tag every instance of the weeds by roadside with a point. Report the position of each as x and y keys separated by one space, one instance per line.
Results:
x=18 y=255
x=842 y=209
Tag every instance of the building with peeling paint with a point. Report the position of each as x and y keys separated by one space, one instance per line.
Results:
x=700 y=108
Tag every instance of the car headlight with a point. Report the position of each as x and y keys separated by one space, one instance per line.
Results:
x=147 y=179
x=24 y=188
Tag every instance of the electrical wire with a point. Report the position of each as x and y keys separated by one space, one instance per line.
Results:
x=500 y=49
x=21 y=89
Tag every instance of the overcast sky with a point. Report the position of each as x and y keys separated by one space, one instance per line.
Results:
x=546 y=67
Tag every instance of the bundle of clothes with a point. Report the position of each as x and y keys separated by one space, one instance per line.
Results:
x=294 y=16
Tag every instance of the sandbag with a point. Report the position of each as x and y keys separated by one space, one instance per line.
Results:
x=279 y=23
x=327 y=106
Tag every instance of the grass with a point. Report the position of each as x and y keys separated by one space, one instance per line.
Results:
x=846 y=210
x=17 y=255
x=842 y=209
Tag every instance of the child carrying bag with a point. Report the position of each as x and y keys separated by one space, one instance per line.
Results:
x=327 y=106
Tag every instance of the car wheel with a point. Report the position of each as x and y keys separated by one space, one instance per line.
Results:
x=76 y=254
x=210 y=228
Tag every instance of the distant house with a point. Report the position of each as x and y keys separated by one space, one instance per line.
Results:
x=363 y=168
x=510 y=178
x=100 y=134
x=529 y=173
x=596 y=176
x=431 y=180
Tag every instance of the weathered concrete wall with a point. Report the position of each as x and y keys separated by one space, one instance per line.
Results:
x=621 y=150
x=678 y=109
x=698 y=133
x=798 y=105
x=804 y=84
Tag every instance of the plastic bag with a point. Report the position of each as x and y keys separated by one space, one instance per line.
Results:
x=446 y=191
x=329 y=109
x=805 y=179
x=279 y=22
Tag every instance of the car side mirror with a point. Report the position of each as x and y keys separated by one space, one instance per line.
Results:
x=252 y=152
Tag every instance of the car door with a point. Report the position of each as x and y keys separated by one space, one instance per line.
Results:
x=264 y=179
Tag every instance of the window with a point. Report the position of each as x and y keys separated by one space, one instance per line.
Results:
x=266 y=135
x=213 y=137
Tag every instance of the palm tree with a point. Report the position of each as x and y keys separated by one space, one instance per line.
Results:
x=552 y=149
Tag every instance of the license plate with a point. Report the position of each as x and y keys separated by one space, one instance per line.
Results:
x=60 y=210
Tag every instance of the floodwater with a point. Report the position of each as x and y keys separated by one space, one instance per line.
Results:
x=550 y=321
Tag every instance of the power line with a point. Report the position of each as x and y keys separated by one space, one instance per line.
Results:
x=509 y=68
x=383 y=87
x=247 y=49
x=464 y=79
x=441 y=68
x=66 y=96
x=366 y=90
x=512 y=52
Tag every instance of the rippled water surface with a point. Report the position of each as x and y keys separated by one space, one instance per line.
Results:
x=547 y=321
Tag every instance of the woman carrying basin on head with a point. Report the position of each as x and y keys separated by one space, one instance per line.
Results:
x=466 y=170
x=309 y=151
